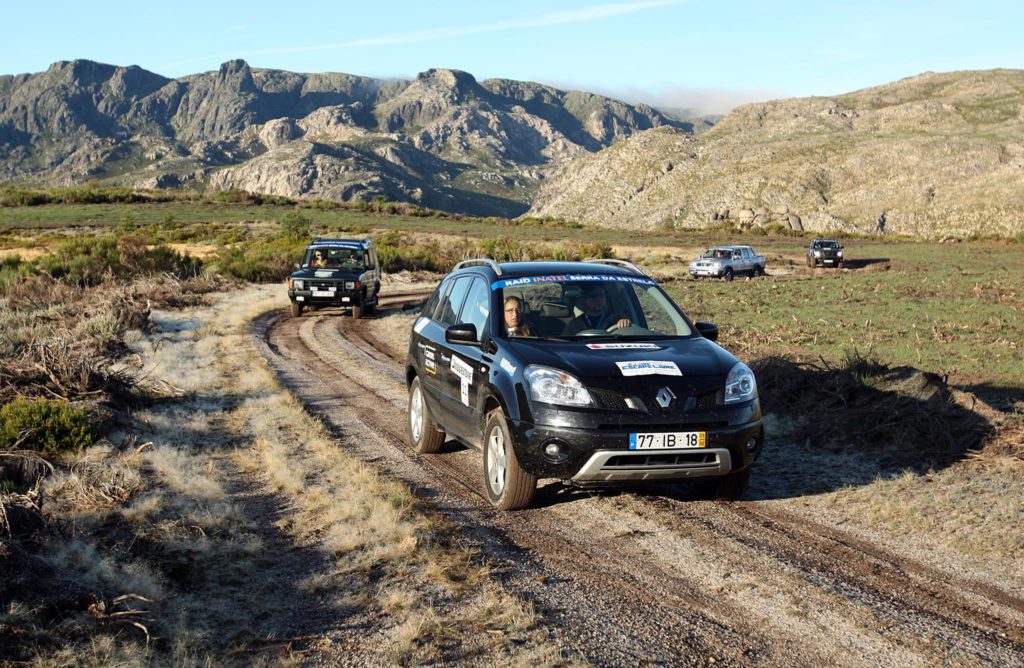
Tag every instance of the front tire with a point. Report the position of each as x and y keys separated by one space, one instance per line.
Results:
x=357 y=311
x=728 y=274
x=508 y=486
x=423 y=437
x=296 y=309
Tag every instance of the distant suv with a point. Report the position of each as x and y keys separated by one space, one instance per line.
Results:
x=336 y=272
x=586 y=372
x=727 y=261
x=826 y=252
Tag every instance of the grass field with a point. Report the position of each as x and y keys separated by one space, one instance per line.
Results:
x=955 y=309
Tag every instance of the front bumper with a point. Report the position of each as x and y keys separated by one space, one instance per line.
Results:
x=600 y=453
x=326 y=297
x=709 y=272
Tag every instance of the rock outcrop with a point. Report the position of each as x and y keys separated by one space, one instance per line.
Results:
x=443 y=140
x=941 y=153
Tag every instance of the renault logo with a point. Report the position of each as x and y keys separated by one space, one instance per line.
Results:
x=665 y=398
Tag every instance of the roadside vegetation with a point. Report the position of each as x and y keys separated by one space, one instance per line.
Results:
x=133 y=412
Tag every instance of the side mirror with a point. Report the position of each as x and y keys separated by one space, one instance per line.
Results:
x=708 y=330
x=297 y=265
x=462 y=332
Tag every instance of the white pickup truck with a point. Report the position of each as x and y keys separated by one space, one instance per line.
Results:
x=727 y=261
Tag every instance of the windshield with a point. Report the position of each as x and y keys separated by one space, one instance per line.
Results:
x=578 y=306
x=716 y=253
x=333 y=257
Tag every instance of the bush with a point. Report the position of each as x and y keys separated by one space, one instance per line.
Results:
x=12 y=270
x=48 y=427
x=295 y=227
x=87 y=261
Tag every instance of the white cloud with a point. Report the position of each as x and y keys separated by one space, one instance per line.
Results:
x=595 y=13
x=698 y=100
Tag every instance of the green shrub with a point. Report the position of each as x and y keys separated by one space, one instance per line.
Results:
x=295 y=226
x=88 y=261
x=12 y=270
x=48 y=427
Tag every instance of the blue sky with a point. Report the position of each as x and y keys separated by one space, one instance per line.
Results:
x=690 y=53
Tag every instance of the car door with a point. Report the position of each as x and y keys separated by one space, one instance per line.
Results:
x=449 y=380
x=469 y=365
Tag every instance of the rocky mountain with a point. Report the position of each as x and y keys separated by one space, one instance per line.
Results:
x=942 y=154
x=443 y=140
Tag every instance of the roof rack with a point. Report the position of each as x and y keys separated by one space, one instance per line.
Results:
x=366 y=243
x=480 y=260
x=617 y=263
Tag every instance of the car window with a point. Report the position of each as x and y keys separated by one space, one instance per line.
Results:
x=477 y=307
x=555 y=306
x=451 y=303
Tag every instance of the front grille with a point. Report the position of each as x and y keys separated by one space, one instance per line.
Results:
x=647 y=427
x=707 y=400
x=610 y=399
x=614 y=465
x=679 y=459
x=325 y=285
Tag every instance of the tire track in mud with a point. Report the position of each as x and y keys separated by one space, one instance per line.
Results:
x=610 y=569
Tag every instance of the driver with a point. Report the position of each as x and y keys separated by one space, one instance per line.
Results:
x=595 y=312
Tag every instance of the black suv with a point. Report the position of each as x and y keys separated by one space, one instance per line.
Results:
x=336 y=272
x=587 y=372
x=825 y=251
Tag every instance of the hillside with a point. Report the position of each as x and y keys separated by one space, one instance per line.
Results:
x=941 y=153
x=443 y=140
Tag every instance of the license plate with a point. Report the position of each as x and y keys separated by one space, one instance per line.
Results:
x=678 y=440
x=323 y=293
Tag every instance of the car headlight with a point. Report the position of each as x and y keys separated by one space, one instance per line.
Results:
x=350 y=285
x=817 y=253
x=551 y=386
x=839 y=253
x=297 y=283
x=740 y=384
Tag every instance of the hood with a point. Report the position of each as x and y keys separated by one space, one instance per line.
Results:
x=585 y=359
x=342 y=273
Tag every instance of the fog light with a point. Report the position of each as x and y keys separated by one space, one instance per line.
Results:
x=553 y=452
x=751 y=444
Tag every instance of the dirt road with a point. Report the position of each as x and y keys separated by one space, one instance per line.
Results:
x=655 y=575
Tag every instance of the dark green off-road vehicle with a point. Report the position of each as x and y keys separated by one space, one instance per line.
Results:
x=336 y=272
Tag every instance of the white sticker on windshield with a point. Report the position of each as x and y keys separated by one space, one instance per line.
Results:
x=649 y=368
x=623 y=346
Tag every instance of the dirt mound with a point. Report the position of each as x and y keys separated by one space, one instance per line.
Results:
x=901 y=415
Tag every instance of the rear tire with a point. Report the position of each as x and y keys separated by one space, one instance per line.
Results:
x=423 y=436
x=731 y=486
x=508 y=486
x=757 y=271
x=296 y=309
